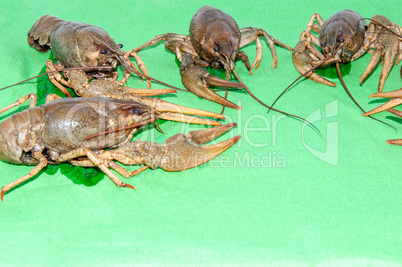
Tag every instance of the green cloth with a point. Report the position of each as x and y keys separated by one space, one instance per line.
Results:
x=282 y=195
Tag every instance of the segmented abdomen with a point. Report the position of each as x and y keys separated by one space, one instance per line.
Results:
x=39 y=34
x=19 y=134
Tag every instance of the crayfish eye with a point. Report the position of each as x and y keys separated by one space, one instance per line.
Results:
x=323 y=44
x=120 y=45
x=341 y=39
x=136 y=111
x=131 y=110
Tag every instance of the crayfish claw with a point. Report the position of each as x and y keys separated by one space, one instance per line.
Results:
x=384 y=37
x=204 y=136
x=396 y=93
x=197 y=80
x=173 y=112
x=183 y=151
x=304 y=63
x=395 y=101
x=395 y=112
x=397 y=142
x=390 y=104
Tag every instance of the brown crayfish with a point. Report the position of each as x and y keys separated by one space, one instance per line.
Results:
x=77 y=130
x=85 y=46
x=214 y=41
x=345 y=37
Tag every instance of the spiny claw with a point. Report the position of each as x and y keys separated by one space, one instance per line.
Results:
x=188 y=119
x=173 y=112
x=179 y=152
x=390 y=104
x=396 y=93
x=108 y=88
x=304 y=63
x=389 y=57
x=183 y=150
x=397 y=100
x=395 y=112
x=197 y=80
x=148 y=92
x=386 y=45
x=397 y=142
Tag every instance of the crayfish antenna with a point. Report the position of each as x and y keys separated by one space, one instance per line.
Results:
x=284 y=113
x=54 y=71
x=325 y=61
x=382 y=26
x=350 y=95
x=270 y=107
x=226 y=89
x=122 y=128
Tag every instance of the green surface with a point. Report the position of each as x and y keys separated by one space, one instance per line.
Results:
x=282 y=195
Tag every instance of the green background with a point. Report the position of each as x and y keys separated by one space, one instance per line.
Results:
x=268 y=199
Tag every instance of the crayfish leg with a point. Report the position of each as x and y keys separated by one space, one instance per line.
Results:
x=42 y=164
x=96 y=160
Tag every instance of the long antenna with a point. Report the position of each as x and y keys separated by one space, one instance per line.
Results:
x=54 y=71
x=381 y=25
x=338 y=70
x=307 y=72
x=122 y=128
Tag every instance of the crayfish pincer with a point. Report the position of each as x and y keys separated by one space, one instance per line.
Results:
x=214 y=41
x=68 y=129
x=388 y=106
x=396 y=99
x=80 y=45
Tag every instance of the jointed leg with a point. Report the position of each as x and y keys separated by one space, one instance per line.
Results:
x=180 y=47
x=311 y=25
x=32 y=101
x=56 y=78
x=111 y=164
x=42 y=164
x=164 y=37
x=108 y=158
x=20 y=101
x=141 y=65
x=314 y=26
x=96 y=160
x=250 y=34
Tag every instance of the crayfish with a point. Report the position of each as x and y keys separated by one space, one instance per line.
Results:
x=81 y=45
x=77 y=130
x=214 y=41
x=344 y=37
